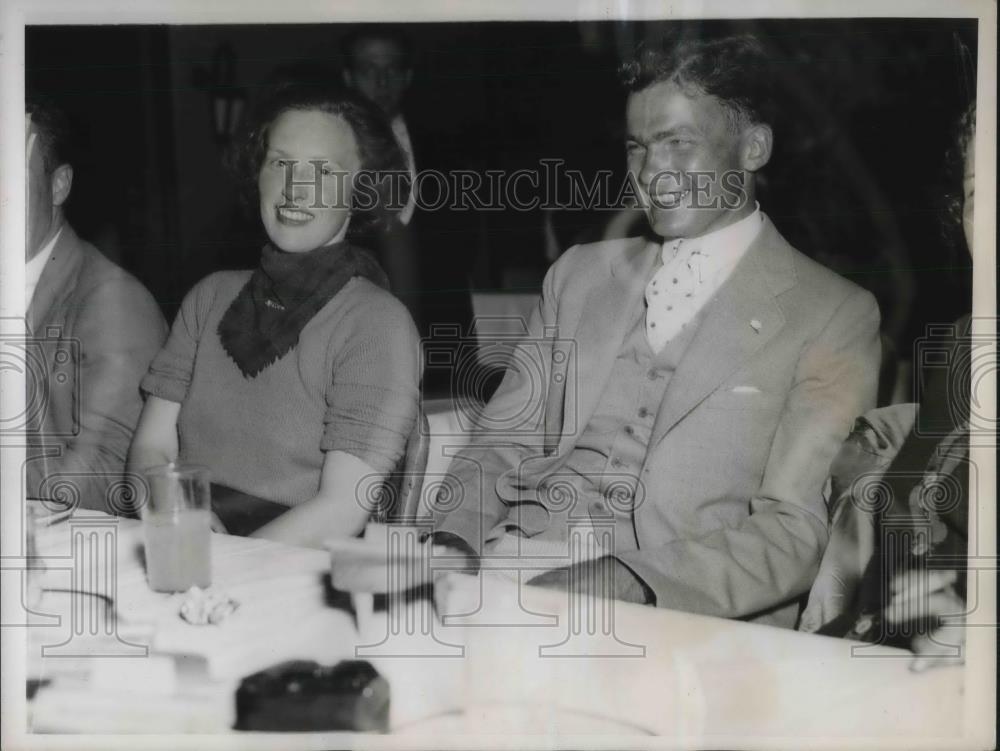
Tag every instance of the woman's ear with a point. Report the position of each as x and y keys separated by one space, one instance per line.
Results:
x=756 y=146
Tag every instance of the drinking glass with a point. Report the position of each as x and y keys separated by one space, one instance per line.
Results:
x=176 y=522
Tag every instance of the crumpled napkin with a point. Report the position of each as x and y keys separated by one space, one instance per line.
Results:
x=201 y=607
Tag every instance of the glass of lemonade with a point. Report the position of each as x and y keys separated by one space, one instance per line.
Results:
x=176 y=523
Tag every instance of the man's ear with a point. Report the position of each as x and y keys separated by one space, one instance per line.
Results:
x=62 y=184
x=756 y=147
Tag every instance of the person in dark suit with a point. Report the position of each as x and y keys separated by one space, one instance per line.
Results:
x=97 y=329
x=683 y=394
x=424 y=252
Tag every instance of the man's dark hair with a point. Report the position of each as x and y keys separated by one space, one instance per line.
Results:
x=378 y=150
x=383 y=32
x=733 y=69
x=55 y=136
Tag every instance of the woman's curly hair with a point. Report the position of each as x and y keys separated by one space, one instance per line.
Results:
x=954 y=168
x=379 y=152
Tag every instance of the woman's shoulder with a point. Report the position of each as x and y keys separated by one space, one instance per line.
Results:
x=219 y=287
x=367 y=301
x=363 y=315
x=219 y=280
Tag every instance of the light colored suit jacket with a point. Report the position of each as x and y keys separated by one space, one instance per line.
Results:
x=732 y=520
x=96 y=328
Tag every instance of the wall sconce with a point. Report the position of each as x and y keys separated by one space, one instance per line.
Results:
x=227 y=101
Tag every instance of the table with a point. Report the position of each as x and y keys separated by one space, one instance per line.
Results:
x=503 y=662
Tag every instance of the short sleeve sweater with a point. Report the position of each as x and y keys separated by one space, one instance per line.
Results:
x=350 y=384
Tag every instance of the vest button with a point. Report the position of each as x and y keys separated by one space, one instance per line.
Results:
x=652 y=375
x=598 y=508
x=643 y=412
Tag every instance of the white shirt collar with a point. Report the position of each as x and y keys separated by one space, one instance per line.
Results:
x=729 y=242
x=33 y=268
x=398 y=125
x=399 y=130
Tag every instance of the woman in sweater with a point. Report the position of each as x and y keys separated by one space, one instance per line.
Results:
x=296 y=383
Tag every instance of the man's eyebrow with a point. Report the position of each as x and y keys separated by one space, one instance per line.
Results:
x=679 y=130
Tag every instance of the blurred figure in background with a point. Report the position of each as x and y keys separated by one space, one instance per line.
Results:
x=378 y=65
x=417 y=247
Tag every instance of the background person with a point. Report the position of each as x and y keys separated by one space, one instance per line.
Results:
x=426 y=253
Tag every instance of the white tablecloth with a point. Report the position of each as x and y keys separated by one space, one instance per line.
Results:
x=507 y=660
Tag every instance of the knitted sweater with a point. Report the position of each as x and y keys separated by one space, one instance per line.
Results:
x=350 y=384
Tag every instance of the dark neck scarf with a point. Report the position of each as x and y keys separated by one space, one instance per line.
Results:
x=264 y=321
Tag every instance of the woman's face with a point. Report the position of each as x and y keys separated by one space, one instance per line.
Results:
x=305 y=180
x=968 y=192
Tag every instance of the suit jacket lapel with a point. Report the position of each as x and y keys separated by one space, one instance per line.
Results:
x=62 y=266
x=742 y=318
x=604 y=318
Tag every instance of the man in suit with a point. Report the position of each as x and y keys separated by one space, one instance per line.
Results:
x=95 y=329
x=425 y=253
x=378 y=65
x=686 y=393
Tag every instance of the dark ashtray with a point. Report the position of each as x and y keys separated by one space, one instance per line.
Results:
x=302 y=696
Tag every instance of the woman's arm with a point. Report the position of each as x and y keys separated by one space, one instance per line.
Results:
x=155 y=439
x=337 y=510
x=166 y=384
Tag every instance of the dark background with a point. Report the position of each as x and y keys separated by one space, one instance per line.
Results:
x=856 y=181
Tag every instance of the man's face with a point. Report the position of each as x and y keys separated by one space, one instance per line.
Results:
x=688 y=160
x=318 y=151
x=379 y=72
x=41 y=212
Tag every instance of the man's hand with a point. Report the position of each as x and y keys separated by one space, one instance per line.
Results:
x=217 y=525
x=926 y=596
x=601 y=577
x=841 y=569
x=828 y=600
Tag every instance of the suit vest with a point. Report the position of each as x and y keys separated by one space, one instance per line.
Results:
x=601 y=474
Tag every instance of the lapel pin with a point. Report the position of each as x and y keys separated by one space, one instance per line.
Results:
x=755 y=325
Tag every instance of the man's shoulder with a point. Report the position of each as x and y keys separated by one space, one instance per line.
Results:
x=809 y=281
x=99 y=278
x=97 y=269
x=595 y=260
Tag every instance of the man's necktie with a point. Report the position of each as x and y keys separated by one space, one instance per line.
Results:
x=673 y=296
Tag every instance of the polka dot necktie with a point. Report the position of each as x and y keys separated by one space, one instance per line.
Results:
x=673 y=296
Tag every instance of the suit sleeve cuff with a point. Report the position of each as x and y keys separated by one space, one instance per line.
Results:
x=466 y=525
x=648 y=595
